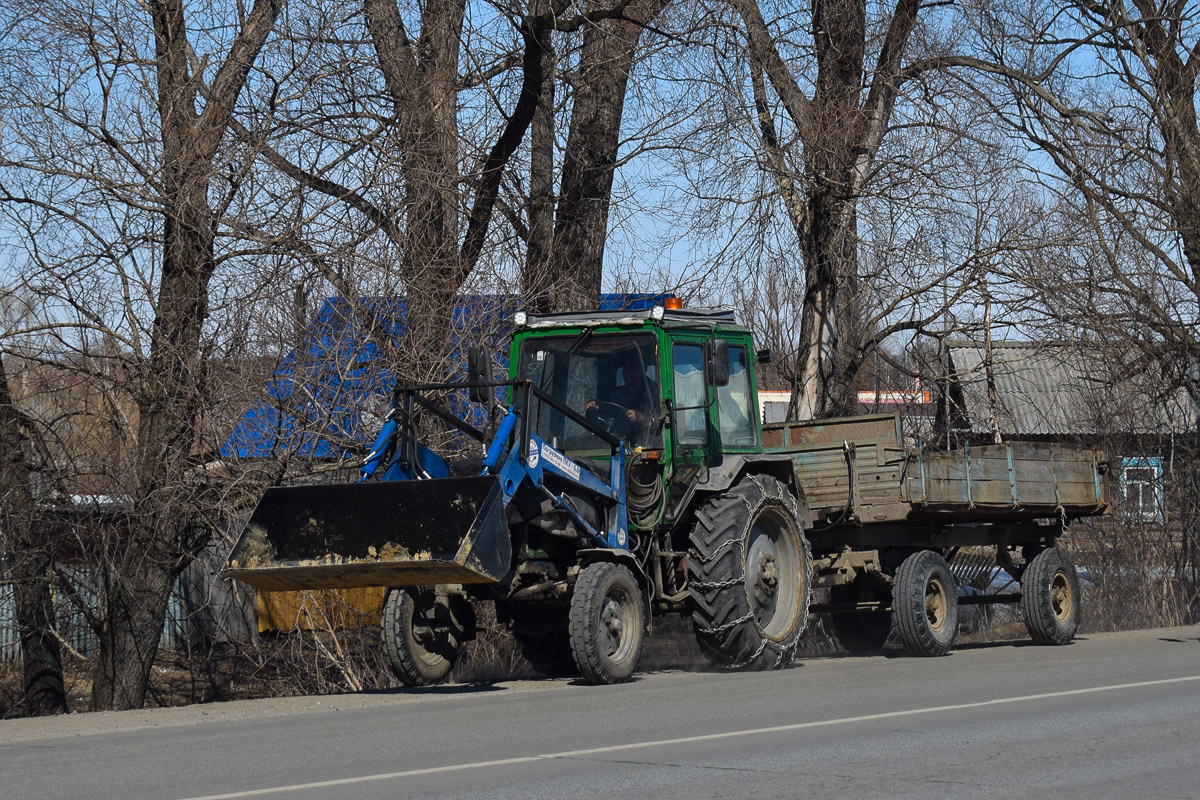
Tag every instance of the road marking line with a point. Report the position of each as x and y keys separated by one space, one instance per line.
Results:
x=707 y=737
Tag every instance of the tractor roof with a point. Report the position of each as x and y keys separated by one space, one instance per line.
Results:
x=698 y=317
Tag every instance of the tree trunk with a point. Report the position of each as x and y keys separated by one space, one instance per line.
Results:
x=840 y=132
x=830 y=249
x=430 y=265
x=831 y=307
x=581 y=226
x=29 y=557
x=536 y=279
x=422 y=82
x=41 y=654
x=153 y=548
x=136 y=603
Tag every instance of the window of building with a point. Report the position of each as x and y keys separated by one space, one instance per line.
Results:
x=1142 y=489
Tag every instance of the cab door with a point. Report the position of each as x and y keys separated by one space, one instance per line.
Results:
x=692 y=429
x=737 y=402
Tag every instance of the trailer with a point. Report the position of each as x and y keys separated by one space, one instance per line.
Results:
x=621 y=473
x=879 y=499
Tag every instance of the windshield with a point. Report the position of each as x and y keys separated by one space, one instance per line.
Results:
x=612 y=379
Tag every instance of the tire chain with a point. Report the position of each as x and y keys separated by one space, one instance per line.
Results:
x=784 y=652
x=783 y=655
x=716 y=584
x=728 y=625
x=715 y=554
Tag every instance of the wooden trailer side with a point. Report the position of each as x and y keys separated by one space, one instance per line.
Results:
x=859 y=470
x=848 y=468
x=1025 y=479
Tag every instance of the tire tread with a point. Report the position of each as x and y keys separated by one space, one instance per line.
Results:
x=395 y=627
x=908 y=604
x=590 y=589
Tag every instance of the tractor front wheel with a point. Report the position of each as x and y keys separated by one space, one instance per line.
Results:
x=608 y=623
x=416 y=635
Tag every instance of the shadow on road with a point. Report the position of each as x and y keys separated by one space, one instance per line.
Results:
x=1000 y=643
x=447 y=689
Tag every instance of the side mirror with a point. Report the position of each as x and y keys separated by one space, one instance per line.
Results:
x=764 y=355
x=718 y=362
x=479 y=370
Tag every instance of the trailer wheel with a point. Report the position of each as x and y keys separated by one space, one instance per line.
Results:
x=860 y=632
x=750 y=575
x=418 y=646
x=925 y=604
x=1050 y=597
x=608 y=621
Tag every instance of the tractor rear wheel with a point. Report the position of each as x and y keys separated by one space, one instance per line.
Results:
x=608 y=623
x=750 y=575
x=416 y=637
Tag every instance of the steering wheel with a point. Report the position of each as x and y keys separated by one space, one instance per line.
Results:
x=609 y=416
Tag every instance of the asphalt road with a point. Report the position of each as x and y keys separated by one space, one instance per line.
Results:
x=1110 y=716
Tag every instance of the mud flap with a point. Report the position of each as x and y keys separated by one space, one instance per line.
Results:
x=395 y=533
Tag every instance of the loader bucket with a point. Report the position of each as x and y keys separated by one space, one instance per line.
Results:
x=394 y=533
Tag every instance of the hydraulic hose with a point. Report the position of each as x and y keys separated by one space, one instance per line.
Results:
x=644 y=499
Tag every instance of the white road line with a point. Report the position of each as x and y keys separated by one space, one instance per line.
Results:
x=708 y=737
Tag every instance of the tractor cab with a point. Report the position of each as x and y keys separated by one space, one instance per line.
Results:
x=613 y=379
x=675 y=385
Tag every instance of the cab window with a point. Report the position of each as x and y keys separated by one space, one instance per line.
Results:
x=611 y=379
x=691 y=395
x=733 y=402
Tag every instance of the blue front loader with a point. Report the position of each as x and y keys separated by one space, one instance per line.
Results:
x=417 y=519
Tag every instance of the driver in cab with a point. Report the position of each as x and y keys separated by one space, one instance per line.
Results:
x=623 y=403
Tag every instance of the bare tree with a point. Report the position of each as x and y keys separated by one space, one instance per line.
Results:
x=450 y=177
x=857 y=186
x=573 y=261
x=88 y=95
x=1106 y=92
x=841 y=127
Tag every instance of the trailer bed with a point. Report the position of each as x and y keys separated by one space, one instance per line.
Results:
x=860 y=471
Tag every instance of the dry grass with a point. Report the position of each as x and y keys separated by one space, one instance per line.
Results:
x=303 y=662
